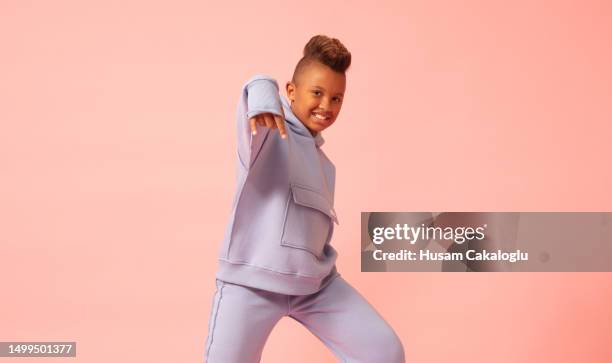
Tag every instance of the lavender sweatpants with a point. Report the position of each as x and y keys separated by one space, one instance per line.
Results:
x=242 y=318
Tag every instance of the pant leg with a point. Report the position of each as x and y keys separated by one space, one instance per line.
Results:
x=241 y=320
x=345 y=322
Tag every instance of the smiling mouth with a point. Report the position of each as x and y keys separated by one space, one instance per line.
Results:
x=321 y=117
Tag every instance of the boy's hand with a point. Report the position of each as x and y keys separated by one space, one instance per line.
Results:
x=268 y=120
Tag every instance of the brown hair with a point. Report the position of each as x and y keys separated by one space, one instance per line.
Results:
x=326 y=50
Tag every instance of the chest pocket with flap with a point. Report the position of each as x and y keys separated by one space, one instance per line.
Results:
x=308 y=221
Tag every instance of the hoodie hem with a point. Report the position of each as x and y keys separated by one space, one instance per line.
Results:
x=269 y=280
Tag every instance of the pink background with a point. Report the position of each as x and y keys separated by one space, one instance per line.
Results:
x=117 y=148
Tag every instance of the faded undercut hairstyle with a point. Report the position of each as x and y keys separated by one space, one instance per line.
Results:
x=326 y=50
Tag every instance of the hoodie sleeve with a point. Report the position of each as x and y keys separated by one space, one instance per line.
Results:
x=259 y=95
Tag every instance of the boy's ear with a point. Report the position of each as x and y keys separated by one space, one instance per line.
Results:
x=290 y=87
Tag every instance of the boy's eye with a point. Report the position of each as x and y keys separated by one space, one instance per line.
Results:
x=319 y=93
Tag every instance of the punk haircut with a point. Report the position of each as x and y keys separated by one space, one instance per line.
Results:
x=326 y=50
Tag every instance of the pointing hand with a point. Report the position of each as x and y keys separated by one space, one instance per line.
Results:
x=268 y=120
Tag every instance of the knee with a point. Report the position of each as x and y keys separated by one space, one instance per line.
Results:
x=393 y=351
x=388 y=348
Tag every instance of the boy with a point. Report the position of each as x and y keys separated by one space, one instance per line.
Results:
x=276 y=259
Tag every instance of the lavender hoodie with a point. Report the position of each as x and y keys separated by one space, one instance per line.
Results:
x=282 y=217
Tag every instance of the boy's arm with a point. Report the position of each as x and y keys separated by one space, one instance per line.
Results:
x=259 y=95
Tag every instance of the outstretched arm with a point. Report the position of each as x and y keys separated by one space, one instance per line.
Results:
x=259 y=112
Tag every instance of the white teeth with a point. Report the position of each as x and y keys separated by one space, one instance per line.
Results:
x=320 y=117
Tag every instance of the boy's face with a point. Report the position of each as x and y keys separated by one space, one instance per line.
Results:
x=316 y=96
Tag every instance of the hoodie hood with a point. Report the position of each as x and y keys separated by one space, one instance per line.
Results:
x=297 y=126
